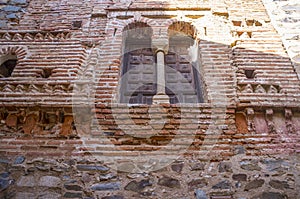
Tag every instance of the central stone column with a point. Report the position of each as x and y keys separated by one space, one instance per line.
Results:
x=160 y=72
x=161 y=47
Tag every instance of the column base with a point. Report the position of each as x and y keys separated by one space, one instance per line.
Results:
x=161 y=99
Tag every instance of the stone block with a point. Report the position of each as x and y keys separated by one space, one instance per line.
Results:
x=169 y=182
x=73 y=187
x=272 y=165
x=49 y=181
x=100 y=168
x=222 y=185
x=270 y=195
x=137 y=186
x=26 y=181
x=4 y=184
x=18 y=2
x=197 y=183
x=108 y=176
x=113 y=197
x=225 y=167
x=200 y=194
x=49 y=195
x=3 y=23
x=27 y=195
x=4 y=175
x=11 y=8
x=239 y=177
x=254 y=184
x=106 y=186
x=19 y=160
x=177 y=167
x=72 y=195
x=250 y=165
x=197 y=166
x=239 y=150
x=277 y=184
x=12 y=16
x=4 y=161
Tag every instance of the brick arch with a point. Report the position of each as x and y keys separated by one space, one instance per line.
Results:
x=149 y=22
x=117 y=28
x=10 y=57
x=137 y=24
x=138 y=56
x=19 y=51
x=183 y=57
x=137 y=30
x=183 y=26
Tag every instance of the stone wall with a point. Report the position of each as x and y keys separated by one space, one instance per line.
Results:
x=64 y=134
x=238 y=177
x=11 y=12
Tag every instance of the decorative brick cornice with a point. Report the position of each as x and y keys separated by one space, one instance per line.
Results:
x=34 y=36
x=259 y=88
x=51 y=89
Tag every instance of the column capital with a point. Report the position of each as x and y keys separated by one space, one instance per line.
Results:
x=160 y=44
x=161 y=98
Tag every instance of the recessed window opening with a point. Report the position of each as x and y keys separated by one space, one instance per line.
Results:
x=46 y=72
x=8 y=64
x=138 y=80
x=250 y=73
x=183 y=79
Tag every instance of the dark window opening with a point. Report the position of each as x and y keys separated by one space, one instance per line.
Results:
x=183 y=83
x=138 y=80
x=46 y=72
x=138 y=85
x=250 y=73
x=76 y=24
x=7 y=67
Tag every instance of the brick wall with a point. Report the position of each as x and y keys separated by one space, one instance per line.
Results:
x=63 y=133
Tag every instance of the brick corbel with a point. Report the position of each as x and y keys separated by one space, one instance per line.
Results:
x=250 y=119
x=288 y=120
x=270 y=123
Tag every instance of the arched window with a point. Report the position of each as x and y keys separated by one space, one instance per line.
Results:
x=183 y=79
x=8 y=63
x=138 y=80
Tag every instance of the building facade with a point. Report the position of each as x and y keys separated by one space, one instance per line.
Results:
x=148 y=99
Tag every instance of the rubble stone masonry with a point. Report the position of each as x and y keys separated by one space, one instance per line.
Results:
x=64 y=132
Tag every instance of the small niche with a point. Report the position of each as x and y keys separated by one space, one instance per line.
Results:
x=8 y=64
x=237 y=23
x=46 y=72
x=76 y=24
x=61 y=117
x=250 y=73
